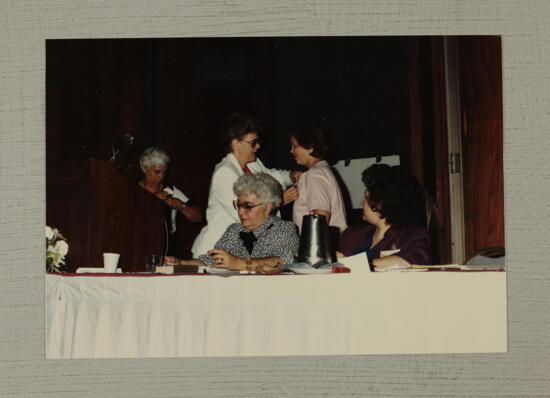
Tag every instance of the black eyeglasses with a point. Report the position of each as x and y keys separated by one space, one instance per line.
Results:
x=254 y=142
x=246 y=205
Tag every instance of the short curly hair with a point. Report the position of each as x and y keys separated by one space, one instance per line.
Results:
x=309 y=136
x=397 y=195
x=237 y=125
x=373 y=173
x=154 y=155
x=265 y=187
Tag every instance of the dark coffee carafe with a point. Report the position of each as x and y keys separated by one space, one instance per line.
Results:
x=315 y=248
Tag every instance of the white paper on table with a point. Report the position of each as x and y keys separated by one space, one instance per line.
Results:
x=98 y=270
x=356 y=263
x=395 y=267
x=386 y=253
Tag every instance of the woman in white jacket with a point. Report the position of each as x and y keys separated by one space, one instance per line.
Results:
x=242 y=140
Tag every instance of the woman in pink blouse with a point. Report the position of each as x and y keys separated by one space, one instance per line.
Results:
x=318 y=189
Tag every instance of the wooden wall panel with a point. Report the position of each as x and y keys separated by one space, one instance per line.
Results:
x=441 y=153
x=102 y=211
x=480 y=80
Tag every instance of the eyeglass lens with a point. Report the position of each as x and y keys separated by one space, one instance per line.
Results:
x=246 y=205
x=254 y=142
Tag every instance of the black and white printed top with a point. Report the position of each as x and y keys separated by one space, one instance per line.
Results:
x=274 y=238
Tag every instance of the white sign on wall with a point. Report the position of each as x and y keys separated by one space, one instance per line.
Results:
x=351 y=175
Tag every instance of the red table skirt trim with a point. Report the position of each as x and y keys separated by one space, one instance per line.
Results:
x=335 y=270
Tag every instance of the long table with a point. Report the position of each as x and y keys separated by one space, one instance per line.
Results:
x=121 y=316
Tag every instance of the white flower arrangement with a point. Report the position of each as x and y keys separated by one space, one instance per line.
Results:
x=56 y=250
x=169 y=191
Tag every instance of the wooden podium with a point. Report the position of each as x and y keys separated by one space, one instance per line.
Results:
x=99 y=210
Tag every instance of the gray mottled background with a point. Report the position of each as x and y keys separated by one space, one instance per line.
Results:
x=523 y=371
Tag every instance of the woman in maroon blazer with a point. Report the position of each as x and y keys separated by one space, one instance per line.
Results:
x=394 y=209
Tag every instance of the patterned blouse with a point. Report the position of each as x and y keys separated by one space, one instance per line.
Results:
x=274 y=238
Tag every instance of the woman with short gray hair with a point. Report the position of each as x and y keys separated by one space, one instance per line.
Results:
x=153 y=163
x=261 y=242
x=263 y=185
x=153 y=155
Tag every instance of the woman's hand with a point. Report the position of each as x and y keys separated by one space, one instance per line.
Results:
x=155 y=190
x=290 y=195
x=162 y=195
x=223 y=259
x=323 y=213
x=169 y=260
x=174 y=203
x=295 y=175
x=191 y=212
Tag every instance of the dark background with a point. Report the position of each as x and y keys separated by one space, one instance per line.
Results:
x=174 y=93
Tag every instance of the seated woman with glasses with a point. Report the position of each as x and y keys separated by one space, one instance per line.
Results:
x=261 y=242
x=242 y=141
x=394 y=209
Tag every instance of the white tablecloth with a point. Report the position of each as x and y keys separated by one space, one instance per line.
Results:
x=334 y=314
